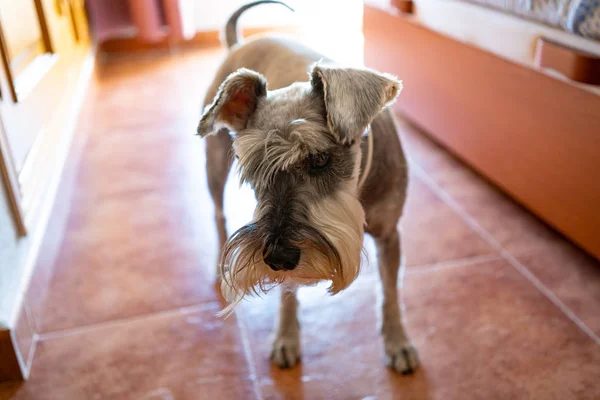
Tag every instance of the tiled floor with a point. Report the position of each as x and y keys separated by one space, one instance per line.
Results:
x=498 y=305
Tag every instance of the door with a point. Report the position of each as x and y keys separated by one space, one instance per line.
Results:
x=39 y=42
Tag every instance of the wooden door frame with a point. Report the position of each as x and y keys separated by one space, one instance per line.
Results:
x=47 y=42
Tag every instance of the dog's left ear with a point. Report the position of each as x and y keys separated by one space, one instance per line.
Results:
x=235 y=102
x=353 y=98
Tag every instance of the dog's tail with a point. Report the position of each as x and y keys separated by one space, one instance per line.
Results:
x=231 y=29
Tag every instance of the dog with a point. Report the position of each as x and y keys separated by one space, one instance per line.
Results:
x=302 y=145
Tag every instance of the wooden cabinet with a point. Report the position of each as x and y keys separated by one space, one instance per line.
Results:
x=535 y=136
x=43 y=44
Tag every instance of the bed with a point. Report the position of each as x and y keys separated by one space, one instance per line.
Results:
x=512 y=87
x=581 y=17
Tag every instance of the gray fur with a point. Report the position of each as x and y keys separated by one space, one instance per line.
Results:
x=352 y=97
x=280 y=110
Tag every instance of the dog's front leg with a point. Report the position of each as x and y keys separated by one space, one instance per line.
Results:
x=400 y=353
x=286 y=345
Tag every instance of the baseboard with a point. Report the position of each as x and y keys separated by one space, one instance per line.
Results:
x=11 y=367
x=201 y=39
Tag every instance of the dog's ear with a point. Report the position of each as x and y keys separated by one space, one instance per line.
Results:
x=353 y=98
x=235 y=102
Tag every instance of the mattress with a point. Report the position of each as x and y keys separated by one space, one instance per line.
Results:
x=581 y=17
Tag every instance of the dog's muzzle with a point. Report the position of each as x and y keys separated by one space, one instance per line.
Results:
x=280 y=256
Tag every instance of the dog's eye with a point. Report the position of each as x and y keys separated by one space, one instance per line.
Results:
x=318 y=162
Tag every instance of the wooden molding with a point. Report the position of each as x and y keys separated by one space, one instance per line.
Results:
x=575 y=64
x=74 y=23
x=7 y=67
x=39 y=7
x=404 y=6
x=48 y=49
x=201 y=39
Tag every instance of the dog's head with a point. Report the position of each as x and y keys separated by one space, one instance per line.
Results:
x=299 y=149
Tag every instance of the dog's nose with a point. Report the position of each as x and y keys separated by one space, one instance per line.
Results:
x=282 y=258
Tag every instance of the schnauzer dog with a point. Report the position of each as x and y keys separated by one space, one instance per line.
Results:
x=321 y=152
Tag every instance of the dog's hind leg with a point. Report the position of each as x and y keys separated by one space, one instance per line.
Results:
x=399 y=352
x=286 y=344
x=219 y=158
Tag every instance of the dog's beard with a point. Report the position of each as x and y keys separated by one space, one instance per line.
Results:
x=330 y=244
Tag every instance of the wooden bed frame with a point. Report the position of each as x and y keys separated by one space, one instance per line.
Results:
x=534 y=135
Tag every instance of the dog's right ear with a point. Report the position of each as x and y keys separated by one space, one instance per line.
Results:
x=235 y=102
x=353 y=98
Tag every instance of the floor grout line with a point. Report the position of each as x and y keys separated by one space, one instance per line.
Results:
x=506 y=255
x=459 y=262
x=121 y=321
x=249 y=357
x=32 y=350
x=550 y=295
x=469 y=220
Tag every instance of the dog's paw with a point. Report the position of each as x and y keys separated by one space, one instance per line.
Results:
x=286 y=352
x=402 y=358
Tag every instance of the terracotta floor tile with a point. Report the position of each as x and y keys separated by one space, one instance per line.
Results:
x=125 y=165
x=433 y=232
x=572 y=276
x=483 y=332
x=182 y=355
x=422 y=150
x=513 y=227
x=138 y=145
x=335 y=331
x=487 y=331
x=132 y=255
